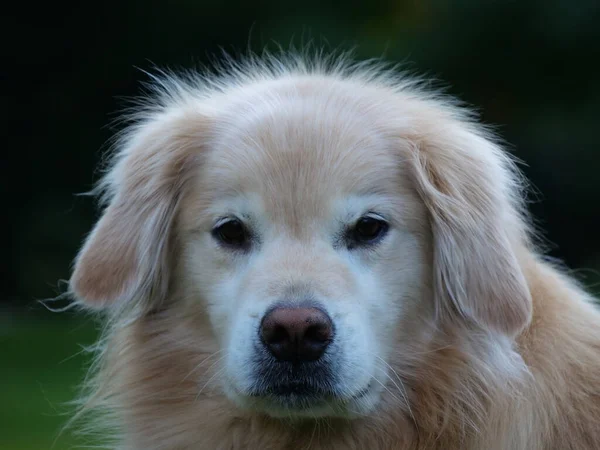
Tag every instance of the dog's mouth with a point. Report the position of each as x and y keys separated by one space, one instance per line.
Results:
x=298 y=392
x=295 y=394
x=318 y=388
x=298 y=389
x=301 y=395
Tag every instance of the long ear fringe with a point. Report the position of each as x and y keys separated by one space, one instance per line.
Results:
x=125 y=258
x=472 y=194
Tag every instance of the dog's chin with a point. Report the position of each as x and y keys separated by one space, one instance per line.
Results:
x=300 y=403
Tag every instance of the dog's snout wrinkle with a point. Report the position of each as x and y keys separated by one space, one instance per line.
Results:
x=296 y=334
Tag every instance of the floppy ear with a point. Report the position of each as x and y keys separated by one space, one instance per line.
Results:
x=472 y=193
x=126 y=255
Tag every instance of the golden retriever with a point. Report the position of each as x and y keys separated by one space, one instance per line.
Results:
x=303 y=253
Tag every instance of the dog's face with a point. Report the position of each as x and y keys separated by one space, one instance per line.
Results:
x=306 y=244
x=322 y=227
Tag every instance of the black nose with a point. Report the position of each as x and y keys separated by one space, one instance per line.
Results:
x=296 y=334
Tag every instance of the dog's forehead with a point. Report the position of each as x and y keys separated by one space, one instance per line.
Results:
x=298 y=149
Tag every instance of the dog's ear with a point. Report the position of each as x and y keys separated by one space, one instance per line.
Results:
x=472 y=193
x=126 y=255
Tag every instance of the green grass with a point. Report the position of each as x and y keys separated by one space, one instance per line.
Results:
x=41 y=366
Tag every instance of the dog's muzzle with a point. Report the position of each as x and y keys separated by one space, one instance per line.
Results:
x=294 y=366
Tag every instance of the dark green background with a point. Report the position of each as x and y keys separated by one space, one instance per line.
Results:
x=529 y=66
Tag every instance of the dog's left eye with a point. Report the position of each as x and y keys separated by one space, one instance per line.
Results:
x=367 y=230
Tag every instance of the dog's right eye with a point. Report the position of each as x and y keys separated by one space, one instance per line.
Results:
x=232 y=233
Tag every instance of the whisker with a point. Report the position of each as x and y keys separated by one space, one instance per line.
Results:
x=394 y=396
x=312 y=436
x=217 y=373
x=199 y=365
x=400 y=387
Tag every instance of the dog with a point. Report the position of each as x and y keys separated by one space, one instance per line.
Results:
x=311 y=253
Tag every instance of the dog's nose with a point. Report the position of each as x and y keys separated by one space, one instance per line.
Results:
x=296 y=334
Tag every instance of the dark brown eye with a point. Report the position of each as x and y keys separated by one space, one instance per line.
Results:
x=368 y=230
x=232 y=232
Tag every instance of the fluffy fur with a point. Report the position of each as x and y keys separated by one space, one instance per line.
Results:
x=466 y=337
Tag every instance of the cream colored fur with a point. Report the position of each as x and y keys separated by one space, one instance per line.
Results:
x=468 y=339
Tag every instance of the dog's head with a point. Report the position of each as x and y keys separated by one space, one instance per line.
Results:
x=320 y=224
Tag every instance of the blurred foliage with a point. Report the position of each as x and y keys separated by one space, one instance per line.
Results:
x=530 y=67
x=43 y=361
